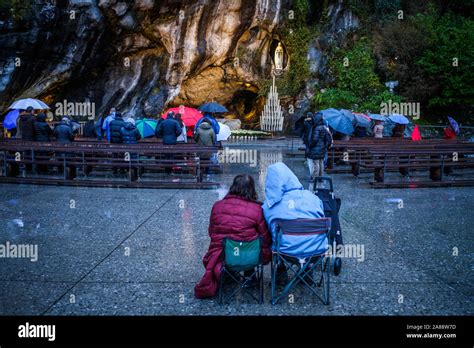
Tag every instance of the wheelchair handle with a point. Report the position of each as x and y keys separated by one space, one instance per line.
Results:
x=324 y=178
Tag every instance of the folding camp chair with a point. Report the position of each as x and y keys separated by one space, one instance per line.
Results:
x=324 y=189
x=240 y=257
x=301 y=247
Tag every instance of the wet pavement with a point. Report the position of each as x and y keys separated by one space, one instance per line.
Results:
x=138 y=251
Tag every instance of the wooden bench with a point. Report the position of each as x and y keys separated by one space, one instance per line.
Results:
x=436 y=161
x=87 y=158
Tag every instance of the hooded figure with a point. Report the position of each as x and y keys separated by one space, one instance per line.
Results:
x=318 y=141
x=63 y=131
x=318 y=138
x=307 y=126
x=205 y=134
x=105 y=124
x=213 y=122
x=287 y=199
x=129 y=132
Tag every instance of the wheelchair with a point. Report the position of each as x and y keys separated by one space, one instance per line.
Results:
x=301 y=248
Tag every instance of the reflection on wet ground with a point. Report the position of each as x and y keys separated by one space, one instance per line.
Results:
x=139 y=251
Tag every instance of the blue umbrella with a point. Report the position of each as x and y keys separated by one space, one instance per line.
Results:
x=378 y=117
x=400 y=119
x=362 y=120
x=212 y=108
x=10 y=119
x=454 y=124
x=338 y=121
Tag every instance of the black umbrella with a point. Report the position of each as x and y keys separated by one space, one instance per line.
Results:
x=212 y=108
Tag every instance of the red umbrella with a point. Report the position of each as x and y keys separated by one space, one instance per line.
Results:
x=189 y=115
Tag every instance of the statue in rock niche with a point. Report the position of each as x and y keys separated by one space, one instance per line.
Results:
x=279 y=58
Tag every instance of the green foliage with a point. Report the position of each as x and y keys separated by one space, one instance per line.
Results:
x=296 y=35
x=356 y=85
x=19 y=10
x=452 y=38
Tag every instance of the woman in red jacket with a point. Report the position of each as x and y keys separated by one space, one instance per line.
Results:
x=238 y=216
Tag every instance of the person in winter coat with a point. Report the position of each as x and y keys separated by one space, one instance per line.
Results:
x=319 y=140
x=378 y=129
x=287 y=199
x=449 y=133
x=114 y=128
x=168 y=129
x=130 y=133
x=214 y=124
x=63 y=132
x=238 y=216
x=183 y=138
x=205 y=136
x=26 y=125
x=105 y=125
x=307 y=126
x=43 y=131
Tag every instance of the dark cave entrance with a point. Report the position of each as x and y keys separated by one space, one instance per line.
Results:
x=245 y=106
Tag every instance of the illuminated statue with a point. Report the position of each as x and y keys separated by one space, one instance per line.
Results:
x=279 y=58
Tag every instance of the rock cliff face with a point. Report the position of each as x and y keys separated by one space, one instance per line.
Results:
x=144 y=55
x=138 y=55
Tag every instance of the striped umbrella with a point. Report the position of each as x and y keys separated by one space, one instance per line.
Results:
x=146 y=127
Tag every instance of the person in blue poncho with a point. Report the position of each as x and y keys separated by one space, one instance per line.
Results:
x=287 y=199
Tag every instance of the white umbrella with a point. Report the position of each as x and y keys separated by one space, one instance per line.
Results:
x=25 y=103
x=224 y=132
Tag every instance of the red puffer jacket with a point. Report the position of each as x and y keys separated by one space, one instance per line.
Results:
x=235 y=218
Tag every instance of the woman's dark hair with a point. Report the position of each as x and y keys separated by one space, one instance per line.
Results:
x=244 y=186
x=178 y=118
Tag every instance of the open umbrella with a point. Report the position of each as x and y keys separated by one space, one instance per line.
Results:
x=189 y=115
x=338 y=121
x=361 y=120
x=212 y=108
x=454 y=124
x=378 y=117
x=224 y=132
x=10 y=119
x=400 y=119
x=146 y=127
x=25 y=103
